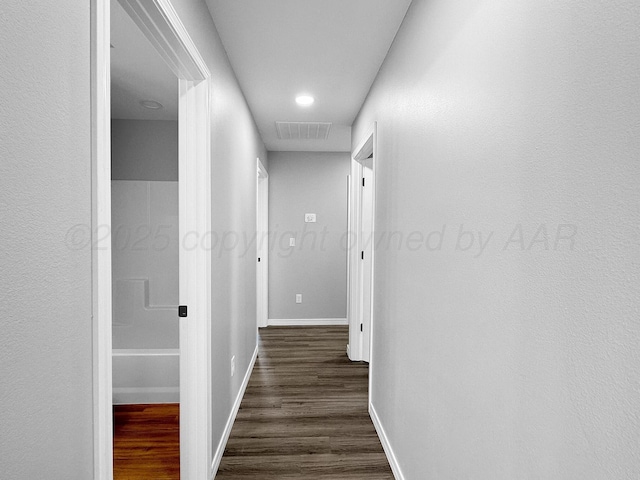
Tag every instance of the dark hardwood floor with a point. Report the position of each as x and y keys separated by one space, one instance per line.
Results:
x=304 y=414
x=146 y=442
x=304 y=417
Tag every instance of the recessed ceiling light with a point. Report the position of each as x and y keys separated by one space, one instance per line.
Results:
x=151 y=104
x=304 y=100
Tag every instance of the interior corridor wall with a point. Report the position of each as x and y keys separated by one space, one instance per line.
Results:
x=235 y=143
x=506 y=339
x=45 y=268
x=299 y=183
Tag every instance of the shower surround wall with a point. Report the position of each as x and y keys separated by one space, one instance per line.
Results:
x=145 y=262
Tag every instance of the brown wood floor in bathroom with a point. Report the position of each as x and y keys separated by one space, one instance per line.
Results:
x=304 y=416
x=146 y=442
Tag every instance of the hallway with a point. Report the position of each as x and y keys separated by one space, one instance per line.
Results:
x=504 y=206
x=304 y=414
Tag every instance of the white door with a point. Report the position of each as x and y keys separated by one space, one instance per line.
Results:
x=262 y=246
x=366 y=256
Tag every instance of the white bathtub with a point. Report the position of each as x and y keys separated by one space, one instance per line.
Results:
x=146 y=376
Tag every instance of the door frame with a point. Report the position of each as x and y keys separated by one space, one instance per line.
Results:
x=367 y=248
x=366 y=147
x=262 y=244
x=160 y=23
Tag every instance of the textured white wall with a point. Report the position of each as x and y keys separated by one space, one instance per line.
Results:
x=299 y=183
x=235 y=145
x=518 y=363
x=45 y=286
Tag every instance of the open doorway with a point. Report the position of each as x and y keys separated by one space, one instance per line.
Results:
x=161 y=27
x=362 y=248
x=145 y=255
x=366 y=254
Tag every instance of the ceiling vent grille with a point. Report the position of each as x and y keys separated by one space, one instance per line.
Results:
x=303 y=130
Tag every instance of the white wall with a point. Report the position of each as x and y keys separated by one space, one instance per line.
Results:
x=144 y=150
x=45 y=274
x=518 y=363
x=45 y=174
x=299 y=183
x=145 y=264
x=235 y=145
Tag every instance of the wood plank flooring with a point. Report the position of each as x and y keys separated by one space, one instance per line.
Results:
x=146 y=442
x=304 y=414
x=304 y=417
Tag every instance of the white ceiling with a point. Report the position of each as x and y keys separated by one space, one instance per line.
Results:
x=138 y=73
x=331 y=49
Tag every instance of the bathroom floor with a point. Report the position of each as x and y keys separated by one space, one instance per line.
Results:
x=146 y=442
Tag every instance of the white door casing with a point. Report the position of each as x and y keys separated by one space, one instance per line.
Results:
x=161 y=25
x=367 y=252
x=262 y=245
x=360 y=303
x=101 y=257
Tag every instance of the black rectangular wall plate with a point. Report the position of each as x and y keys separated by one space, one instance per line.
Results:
x=182 y=310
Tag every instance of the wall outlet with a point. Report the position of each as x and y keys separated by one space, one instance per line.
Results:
x=292 y=242
x=310 y=218
x=233 y=365
x=298 y=298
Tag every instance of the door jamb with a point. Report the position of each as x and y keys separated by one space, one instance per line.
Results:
x=365 y=148
x=262 y=243
x=161 y=25
x=101 y=257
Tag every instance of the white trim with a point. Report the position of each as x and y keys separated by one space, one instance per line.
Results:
x=306 y=322
x=366 y=145
x=261 y=170
x=353 y=256
x=162 y=26
x=145 y=395
x=262 y=244
x=363 y=150
x=386 y=445
x=374 y=167
x=217 y=458
x=160 y=23
x=349 y=237
x=146 y=352
x=101 y=257
x=194 y=194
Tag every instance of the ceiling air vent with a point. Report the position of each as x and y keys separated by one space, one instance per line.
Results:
x=303 y=130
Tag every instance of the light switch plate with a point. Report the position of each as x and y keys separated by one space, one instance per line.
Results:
x=310 y=218
x=292 y=241
x=298 y=298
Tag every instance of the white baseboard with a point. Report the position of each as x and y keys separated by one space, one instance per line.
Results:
x=217 y=458
x=386 y=446
x=306 y=322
